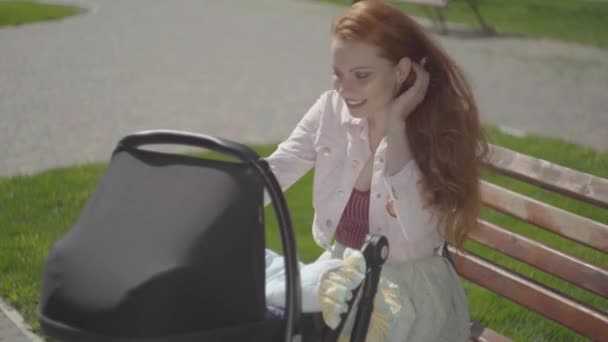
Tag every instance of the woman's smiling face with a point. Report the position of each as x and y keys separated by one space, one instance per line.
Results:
x=366 y=81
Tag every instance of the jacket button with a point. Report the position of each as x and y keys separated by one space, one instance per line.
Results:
x=378 y=195
x=340 y=193
x=326 y=151
x=328 y=223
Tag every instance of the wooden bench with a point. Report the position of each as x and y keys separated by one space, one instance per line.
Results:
x=551 y=303
x=437 y=13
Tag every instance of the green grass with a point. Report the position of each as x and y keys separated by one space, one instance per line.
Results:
x=37 y=210
x=578 y=21
x=22 y=12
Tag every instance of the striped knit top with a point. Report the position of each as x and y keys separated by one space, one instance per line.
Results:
x=354 y=223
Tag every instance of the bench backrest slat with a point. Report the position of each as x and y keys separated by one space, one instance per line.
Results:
x=564 y=266
x=579 y=185
x=581 y=229
x=568 y=312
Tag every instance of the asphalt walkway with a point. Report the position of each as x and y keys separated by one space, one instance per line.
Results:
x=245 y=70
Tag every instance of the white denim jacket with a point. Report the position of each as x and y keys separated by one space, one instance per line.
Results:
x=336 y=144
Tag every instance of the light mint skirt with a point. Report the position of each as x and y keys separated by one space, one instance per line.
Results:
x=434 y=305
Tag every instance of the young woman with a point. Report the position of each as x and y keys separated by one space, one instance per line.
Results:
x=396 y=148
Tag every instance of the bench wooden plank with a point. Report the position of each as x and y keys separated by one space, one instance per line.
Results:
x=581 y=229
x=579 y=185
x=564 y=266
x=568 y=312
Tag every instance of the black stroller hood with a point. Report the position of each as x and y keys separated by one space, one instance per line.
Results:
x=167 y=245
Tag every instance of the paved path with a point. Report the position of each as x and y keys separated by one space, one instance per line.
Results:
x=243 y=70
x=12 y=327
x=9 y=332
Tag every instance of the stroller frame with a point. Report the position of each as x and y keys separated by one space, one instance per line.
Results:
x=375 y=249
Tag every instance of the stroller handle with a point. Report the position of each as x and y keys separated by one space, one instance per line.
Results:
x=293 y=309
x=174 y=137
x=375 y=250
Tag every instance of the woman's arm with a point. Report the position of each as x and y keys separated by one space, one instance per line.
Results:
x=296 y=155
x=402 y=175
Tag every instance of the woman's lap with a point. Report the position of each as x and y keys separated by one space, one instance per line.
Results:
x=434 y=306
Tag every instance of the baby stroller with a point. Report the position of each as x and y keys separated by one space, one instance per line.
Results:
x=170 y=248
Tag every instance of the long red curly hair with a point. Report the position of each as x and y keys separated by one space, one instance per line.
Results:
x=444 y=132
